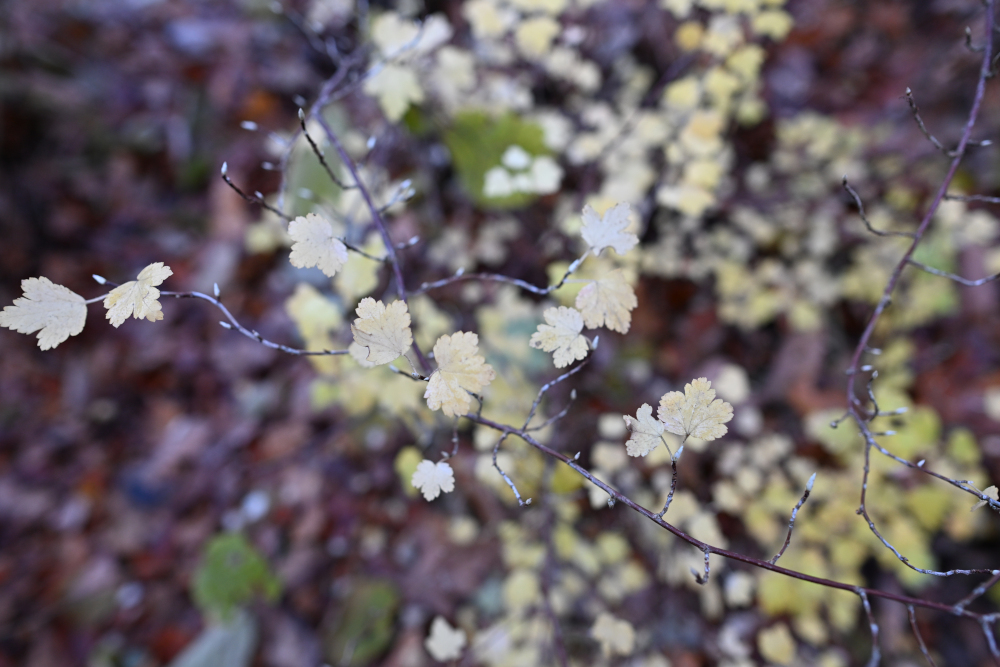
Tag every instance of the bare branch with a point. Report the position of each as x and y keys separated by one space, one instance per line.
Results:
x=791 y=522
x=952 y=276
x=249 y=333
x=496 y=448
x=864 y=217
x=876 y=656
x=496 y=277
x=977 y=592
x=920 y=638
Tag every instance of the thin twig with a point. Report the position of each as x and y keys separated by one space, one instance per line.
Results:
x=951 y=276
x=510 y=483
x=978 y=591
x=496 y=277
x=916 y=633
x=250 y=333
x=864 y=216
x=876 y=656
x=791 y=522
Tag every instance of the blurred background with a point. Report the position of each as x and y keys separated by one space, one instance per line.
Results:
x=161 y=481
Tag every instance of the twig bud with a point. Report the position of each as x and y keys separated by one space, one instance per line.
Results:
x=100 y=279
x=215 y=288
x=225 y=168
x=302 y=114
x=226 y=325
x=249 y=125
x=809 y=484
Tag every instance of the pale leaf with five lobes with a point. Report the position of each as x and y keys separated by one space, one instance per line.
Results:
x=432 y=478
x=384 y=330
x=461 y=369
x=607 y=302
x=138 y=297
x=444 y=642
x=646 y=432
x=562 y=336
x=696 y=412
x=54 y=311
x=315 y=245
x=608 y=231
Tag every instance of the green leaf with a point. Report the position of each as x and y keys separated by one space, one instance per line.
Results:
x=363 y=627
x=230 y=575
x=477 y=141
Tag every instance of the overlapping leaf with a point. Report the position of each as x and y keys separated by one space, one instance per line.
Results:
x=607 y=302
x=696 y=412
x=608 y=231
x=646 y=431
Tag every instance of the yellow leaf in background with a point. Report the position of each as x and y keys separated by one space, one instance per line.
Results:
x=608 y=231
x=534 y=36
x=521 y=589
x=56 y=312
x=433 y=478
x=646 y=431
x=688 y=35
x=485 y=18
x=314 y=315
x=776 y=644
x=398 y=36
x=607 y=302
x=360 y=274
x=695 y=413
x=562 y=336
x=461 y=369
x=396 y=87
x=616 y=636
x=774 y=23
x=315 y=245
x=405 y=465
x=138 y=297
x=444 y=642
x=385 y=331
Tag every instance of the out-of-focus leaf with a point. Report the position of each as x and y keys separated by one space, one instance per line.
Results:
x=363 y=628
x=229 y=644
x=231 y=573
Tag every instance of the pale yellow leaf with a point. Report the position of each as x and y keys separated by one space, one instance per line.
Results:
x=694 y=413
x=433 y=478
x=315 y=245
x=607 y=302
x=384 y=330
x=56 y=312
x=534 y=36
x=562 y=336
x=990 y=491
x=776 y=644
x=444 y=642
x=616 y=636
x=460 y=370
x=608 y=231
x=396 y=87
x=646 y=431
x=138 y=297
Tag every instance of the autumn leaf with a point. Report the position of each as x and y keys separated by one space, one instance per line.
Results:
x=433 y=478
x=444 y=642
x=460 y=370
x=396 y=87
x=315 y=245
x=56 y=312
x=138 y=297
x=694 y=413
x=616 y=636
x=646 y=431
x=609 y=231
x=385 y=331
x=607 y=302
x=561 y=335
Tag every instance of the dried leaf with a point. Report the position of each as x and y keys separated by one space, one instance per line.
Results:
x=433 y=478
x=562 y=336
x=56 y=312
x=646 y=432
x=609 y=231
x=396 y=87
x=385 y=331
x=607 y=302
x=460 y=370
x=616 y=636
x=694 y=413
x=990 y=491
x=138 y=297
x=444 y=642
x=315 y=245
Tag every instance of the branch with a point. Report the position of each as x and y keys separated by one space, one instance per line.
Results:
x=920 y=638
x=791 y=522
x=496 y=277
x=876 y=657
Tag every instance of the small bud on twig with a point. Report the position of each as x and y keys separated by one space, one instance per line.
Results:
x=100 y=279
